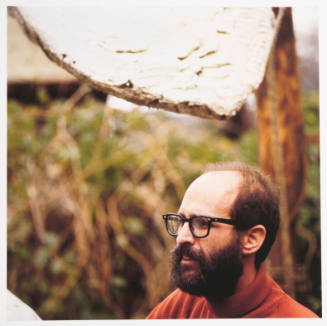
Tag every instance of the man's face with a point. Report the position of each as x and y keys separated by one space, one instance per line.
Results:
x=209 y=266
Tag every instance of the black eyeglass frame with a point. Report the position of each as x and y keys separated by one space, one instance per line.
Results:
x=189 y=220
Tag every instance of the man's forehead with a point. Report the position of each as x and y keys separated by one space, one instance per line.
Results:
x=211 y=193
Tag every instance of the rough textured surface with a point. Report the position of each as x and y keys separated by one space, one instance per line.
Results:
x=26 y=61
x=204 y=61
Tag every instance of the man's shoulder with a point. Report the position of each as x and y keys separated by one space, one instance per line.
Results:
x=287 y=307
x=177 y=305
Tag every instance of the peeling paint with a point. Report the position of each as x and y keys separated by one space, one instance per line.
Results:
x=210 y=58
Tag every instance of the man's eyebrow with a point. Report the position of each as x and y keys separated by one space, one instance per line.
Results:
x=198 y=215
x=195 y=215
x=181 y=214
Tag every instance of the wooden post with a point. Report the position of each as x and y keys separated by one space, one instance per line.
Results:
x=283 y=77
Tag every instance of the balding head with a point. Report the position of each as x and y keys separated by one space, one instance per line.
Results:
x=213 y=193
x=257 y=202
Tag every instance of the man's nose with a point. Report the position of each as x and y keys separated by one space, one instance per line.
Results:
x=185 y=234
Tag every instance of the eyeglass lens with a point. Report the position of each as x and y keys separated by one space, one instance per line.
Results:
x=174 y=223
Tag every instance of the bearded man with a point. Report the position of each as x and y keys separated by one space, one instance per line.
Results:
x=224 y=229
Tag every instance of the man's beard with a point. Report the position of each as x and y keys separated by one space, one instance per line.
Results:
x=215 y=278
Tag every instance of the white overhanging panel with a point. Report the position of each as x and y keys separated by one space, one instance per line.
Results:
x=199 y=60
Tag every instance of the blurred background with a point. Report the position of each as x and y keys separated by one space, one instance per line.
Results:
x=89 y=176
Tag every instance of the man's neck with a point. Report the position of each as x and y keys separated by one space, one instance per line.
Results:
x=248 y=276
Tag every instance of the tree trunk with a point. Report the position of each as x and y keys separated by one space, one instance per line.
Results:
x=290 y=142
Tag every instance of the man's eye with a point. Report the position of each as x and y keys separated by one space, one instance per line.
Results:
x=200 y=222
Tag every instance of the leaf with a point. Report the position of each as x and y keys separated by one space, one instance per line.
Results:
x=119 y=281
x=41 y=257
x=134 y=225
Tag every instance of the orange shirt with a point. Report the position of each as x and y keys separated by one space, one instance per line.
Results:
x=262 y=298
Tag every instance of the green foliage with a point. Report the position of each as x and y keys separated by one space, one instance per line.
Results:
x=310 y=104
x=309 y=214
x=86 y=187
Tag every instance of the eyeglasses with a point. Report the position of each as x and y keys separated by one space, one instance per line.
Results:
x=199 y=225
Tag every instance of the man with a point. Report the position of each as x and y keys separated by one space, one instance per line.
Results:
x=224 y=230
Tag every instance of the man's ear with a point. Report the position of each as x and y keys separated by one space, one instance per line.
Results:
x=252 y=239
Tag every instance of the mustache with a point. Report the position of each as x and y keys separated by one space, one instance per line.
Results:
x=185 y=250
